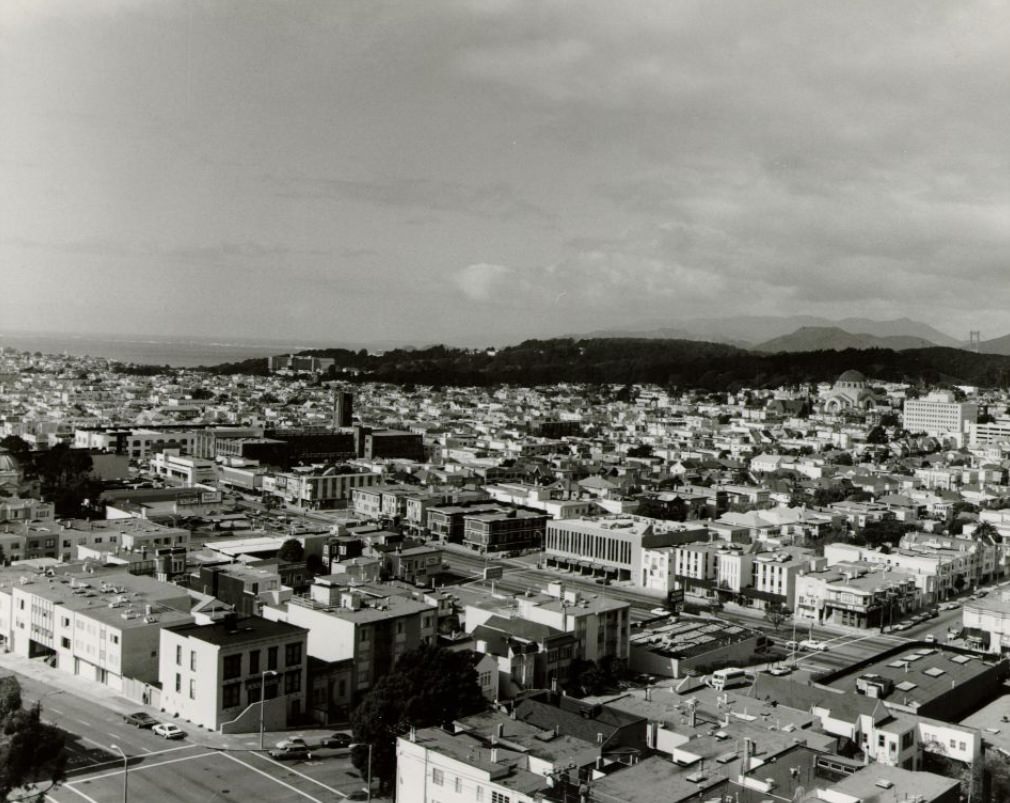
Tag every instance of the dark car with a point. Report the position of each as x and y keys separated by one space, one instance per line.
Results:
x=338 y=740
x=141 y=719
x=358 y=794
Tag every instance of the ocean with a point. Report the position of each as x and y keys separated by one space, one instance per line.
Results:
x=151 y=350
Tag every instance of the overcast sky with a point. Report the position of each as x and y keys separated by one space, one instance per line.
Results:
x=485 y=171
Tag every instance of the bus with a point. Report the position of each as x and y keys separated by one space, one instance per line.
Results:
x=728 y=678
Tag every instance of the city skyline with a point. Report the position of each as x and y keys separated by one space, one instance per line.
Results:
x=474 y=172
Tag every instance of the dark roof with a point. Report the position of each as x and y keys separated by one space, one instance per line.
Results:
x=576 y=719
x=253 y=628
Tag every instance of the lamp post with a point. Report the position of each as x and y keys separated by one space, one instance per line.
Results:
x=369 y=746
x=126 y=769
x=263 y=697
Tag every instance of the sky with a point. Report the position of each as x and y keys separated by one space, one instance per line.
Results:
x=480 y=172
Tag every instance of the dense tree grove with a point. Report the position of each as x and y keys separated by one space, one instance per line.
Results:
x=30 y=750
x=687 y=363
x=428 y=686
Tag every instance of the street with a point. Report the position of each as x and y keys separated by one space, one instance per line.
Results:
x=186 y=769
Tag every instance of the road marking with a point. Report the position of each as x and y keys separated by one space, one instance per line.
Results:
x=79 y=792
x=275 y=780
x=137 y=768
x=300 y=774
x=150 y=753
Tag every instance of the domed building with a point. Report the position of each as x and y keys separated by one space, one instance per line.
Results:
x=10 y=474
x=850 y=392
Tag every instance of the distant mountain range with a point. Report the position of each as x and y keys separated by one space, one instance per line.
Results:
x=755 y=331
x=825 y=338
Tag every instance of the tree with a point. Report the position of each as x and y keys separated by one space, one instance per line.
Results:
x=776 y=613
x=428 y=686
x=30 y=750
x=291 y=551
x=17 y=446
x=877 y=435
x=314 y=565
x=642 y=450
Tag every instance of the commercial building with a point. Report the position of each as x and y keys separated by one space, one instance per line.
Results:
x=181 y=469
x=940 y=415
x=614 y=545
x=318 y=488
x=225 y=675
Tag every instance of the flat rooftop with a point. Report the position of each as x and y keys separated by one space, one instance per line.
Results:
x=689 y=637
x=920 y=673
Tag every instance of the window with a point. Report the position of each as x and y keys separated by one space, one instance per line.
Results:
x=292 y=682
x=231 y=695
x=65 y=643
x=480 y=793
x=232 y=666
x=293 y=654
x=178 y=655
x=437 y=776
x=498 y=797
x=254 y=662
x=192 y=689
x=272 y=657
x=192 y=660
x=115 y=638
x=459 y=785
x=178 y=682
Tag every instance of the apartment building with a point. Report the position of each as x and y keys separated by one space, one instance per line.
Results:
x=527 y=655
x=775 y=575
x=446 y=522
x=510 y=532
x=369 y=625
x=224 y=675
x=98 y=623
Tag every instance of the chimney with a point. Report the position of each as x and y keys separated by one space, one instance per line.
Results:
x=648 y=693
x=599 y=738
x=500 y=730
x=413 y=734
x=494 y=755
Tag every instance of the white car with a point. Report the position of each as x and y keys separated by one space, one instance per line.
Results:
x=811 y=644
x=168 y=731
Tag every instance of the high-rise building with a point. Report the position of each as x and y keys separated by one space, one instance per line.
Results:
x=343 y=407
x=939 y=414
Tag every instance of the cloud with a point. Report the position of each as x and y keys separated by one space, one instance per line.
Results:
x=484 y=282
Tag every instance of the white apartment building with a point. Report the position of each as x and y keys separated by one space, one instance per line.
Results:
x=217 y=675
x=103 y=625
x=939 y=415
x=775 y=574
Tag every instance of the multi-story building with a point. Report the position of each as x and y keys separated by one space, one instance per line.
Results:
x=615 y=545
x=939 y=415
x=510 y=532
x=855 y=595
x=369 y=625
x=101 y=624
x=15 y=510
x=446 y=522
x=220 y=675
x=183 y=469
x=775 y=575
x=527 y=655
x=318 y=488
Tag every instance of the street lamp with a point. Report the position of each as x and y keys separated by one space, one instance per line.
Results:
x=126 y=768
x=369 y=746
x=263 y=697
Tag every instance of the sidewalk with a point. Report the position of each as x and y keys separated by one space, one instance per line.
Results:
x=111 y=700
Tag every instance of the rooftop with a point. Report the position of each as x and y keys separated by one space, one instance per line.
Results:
x=227 y=632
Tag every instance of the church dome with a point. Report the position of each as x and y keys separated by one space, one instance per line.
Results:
x=7 y=462
x=851 y=376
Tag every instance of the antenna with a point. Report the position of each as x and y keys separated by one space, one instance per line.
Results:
x=974 y=340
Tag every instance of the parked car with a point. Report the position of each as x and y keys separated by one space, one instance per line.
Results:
x=813 y=644
x=292 y=741
x=337 y=740
x=168 y=731
x=791 y=645
x=291 y=753
x=930 y=639
x=900 y=626
x=778 y=671
x=358 y=794
x=141 y=719
x=659 y=611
